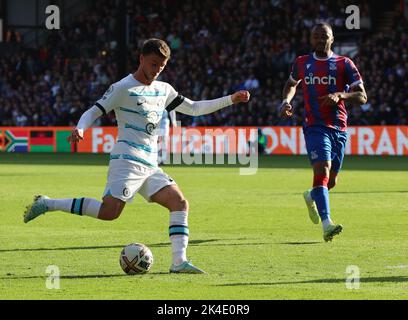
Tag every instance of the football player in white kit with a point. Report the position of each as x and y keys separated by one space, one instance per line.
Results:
x=139 y=101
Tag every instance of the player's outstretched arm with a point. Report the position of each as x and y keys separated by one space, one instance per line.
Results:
x=198 y=108
x=84 y=123
x=288 y=93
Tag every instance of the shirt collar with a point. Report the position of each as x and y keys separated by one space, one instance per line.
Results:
x=322 y=59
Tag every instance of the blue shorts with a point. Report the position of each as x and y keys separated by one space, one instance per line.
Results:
x=325 y=144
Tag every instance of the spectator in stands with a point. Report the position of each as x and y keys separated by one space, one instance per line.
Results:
x=13 y=36
x=251 y=44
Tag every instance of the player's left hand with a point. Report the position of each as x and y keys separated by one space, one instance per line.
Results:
x=330 y=100
x=76 y=136
x=240 y=96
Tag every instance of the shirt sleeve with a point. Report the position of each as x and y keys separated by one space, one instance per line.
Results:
x=294 y=74
x=174 y=99
x=88 y=118
x=353 y=76
x=110 y=100
x=199 y=108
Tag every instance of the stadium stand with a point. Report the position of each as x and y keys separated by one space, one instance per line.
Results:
x=216 y=49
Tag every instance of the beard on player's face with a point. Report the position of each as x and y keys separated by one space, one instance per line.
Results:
x=322 y=46
x=321 y=40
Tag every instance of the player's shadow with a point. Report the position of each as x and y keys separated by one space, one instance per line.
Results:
x=151 y=245
x=60 y=248
x=86 y=276
x=205 y=243
x=341 y=280
x=300 y=243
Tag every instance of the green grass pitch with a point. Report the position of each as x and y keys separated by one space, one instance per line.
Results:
x=251 y=234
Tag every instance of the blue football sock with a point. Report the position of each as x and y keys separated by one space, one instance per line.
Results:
x=321 y=196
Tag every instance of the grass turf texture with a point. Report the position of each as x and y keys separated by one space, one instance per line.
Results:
x=251 y=234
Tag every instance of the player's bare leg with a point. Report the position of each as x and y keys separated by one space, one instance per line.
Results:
x=111 y=208
x=173 y=199
x=332 y=179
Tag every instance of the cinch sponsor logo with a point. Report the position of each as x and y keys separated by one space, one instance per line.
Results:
x=310 y=79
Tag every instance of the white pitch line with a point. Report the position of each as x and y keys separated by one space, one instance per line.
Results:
x=400 y=266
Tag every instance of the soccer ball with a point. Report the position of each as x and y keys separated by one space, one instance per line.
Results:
x=136 y=258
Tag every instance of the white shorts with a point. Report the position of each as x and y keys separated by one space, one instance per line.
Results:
x=126 y=178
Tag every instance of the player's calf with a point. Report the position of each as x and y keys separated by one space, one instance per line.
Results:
x=332 y=180
x=111 y=208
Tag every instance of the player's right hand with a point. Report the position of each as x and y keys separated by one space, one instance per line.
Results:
x=76 y=136
x=240 y=96
x=286 y=110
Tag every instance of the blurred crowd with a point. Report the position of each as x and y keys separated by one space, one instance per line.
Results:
x=217 y=48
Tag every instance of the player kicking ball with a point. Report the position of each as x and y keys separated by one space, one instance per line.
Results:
x=139 y=101
x=325 y=77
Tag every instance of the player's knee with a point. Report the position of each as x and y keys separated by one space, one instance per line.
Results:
x=179 y=203
x=322 y=169
x=184 y=205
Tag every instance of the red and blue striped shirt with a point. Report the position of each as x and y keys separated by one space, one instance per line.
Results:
x=321 y=77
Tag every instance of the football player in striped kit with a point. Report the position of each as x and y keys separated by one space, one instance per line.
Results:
x=328 y=81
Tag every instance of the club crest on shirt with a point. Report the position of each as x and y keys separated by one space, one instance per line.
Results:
x=332 y=66
x=126 y=192
x=108 y=93
x=151 y=128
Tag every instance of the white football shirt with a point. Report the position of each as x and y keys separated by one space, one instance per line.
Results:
x=139 y=109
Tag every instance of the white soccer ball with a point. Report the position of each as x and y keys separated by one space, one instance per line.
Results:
x=136 y=258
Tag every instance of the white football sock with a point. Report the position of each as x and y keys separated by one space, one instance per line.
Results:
x=59 y=204
x=91 y=207
x=179 y=232
x=80 y=206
